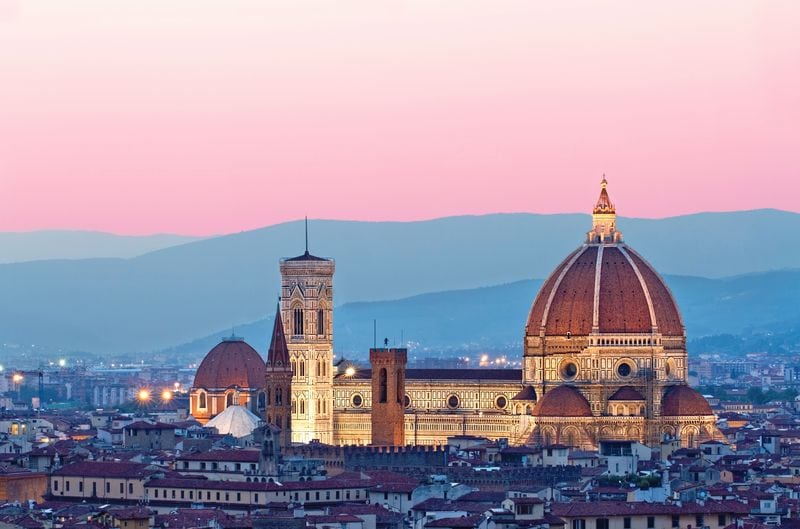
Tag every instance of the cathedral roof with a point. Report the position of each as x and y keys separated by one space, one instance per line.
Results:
x=231 y=363
x=527 y=393
x=237 y=421
x=604 y=287
x=500 y=375
x=626 y=393
x=562 y=401
x=278 y=354
x=682 y=401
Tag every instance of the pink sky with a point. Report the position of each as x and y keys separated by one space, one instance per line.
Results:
x=200 y=117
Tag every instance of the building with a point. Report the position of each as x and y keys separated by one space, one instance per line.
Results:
x=604 y=359
x=232 y=373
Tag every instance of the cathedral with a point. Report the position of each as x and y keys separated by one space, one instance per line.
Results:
x=604 y=358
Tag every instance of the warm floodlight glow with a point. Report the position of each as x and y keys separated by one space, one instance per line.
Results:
x=166 y=395
x=62 y=362
x=143 y=395
x=350 y=371
x=17 y=378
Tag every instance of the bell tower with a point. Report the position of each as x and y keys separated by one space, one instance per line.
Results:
x=307 y=313
x=388 y=395
x=278 y=412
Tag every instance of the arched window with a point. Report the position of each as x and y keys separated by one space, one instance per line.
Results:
x=294 y=406
x=301 y=364
x=297 y=328
x=319 y=406
x=262 y=400
x=320 y=321
x=278 y=397
x=382 y=384
x=268 y=395
x=229 y=399
x=399 y=385
x=294 y=368
x=201 y=400
x=302 y=407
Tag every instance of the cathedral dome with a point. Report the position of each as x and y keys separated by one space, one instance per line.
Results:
x=231 y=363
x=681 y=401
x=604 y=287
x=626 y=393
x=562 y=401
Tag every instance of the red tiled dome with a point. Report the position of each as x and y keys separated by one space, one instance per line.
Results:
x=231 y=363
x=562 y=401
x=682 y=401
x=609 y=287
x=626 y=393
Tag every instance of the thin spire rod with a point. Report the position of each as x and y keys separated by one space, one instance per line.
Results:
x=306 y=234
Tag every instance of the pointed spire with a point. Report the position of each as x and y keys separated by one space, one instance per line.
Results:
x=604 y=204
x=604 y=219
x=307 y=235
x=278 y=355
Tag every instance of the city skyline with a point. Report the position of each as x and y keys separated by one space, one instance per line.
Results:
x=142 y=118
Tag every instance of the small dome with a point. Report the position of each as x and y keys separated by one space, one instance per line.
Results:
x=231 y=363
x=526 y=393
x=563 y=401
x=626 y=393
x=682 y=401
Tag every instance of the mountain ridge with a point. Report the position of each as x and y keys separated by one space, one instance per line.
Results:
x=172 y=295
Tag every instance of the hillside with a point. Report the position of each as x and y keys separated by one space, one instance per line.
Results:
x=173 y=295
x=747 y=309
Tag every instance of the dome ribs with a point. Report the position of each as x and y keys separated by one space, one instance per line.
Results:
x=573 y=304
x=623 y=305
x=540 y=303
x=668 y=318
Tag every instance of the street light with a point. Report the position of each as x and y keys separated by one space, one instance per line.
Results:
x=17 y=378
x=166 y=395
x=143 y=395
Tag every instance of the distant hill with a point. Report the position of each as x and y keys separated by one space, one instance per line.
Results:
x=747 y=309
x=173 y=295
x=57 y=244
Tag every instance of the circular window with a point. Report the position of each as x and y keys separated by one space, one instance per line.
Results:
x=358 y=401
x=624 y=369
x=569 y=370
x=452 y=401
x=407 y=401
x=501 y=402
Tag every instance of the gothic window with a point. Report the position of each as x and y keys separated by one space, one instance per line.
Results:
x=278 y=397
x=294 y=406
x=262 y=400
x=302 y=367
x=320 y=322
x=294 y=368
x=302 y=407
x=382 y=385
x=297 y=328
x=278 y=422
x=201 y=400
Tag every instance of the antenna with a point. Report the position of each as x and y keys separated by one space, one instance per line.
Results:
x=374 y=334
